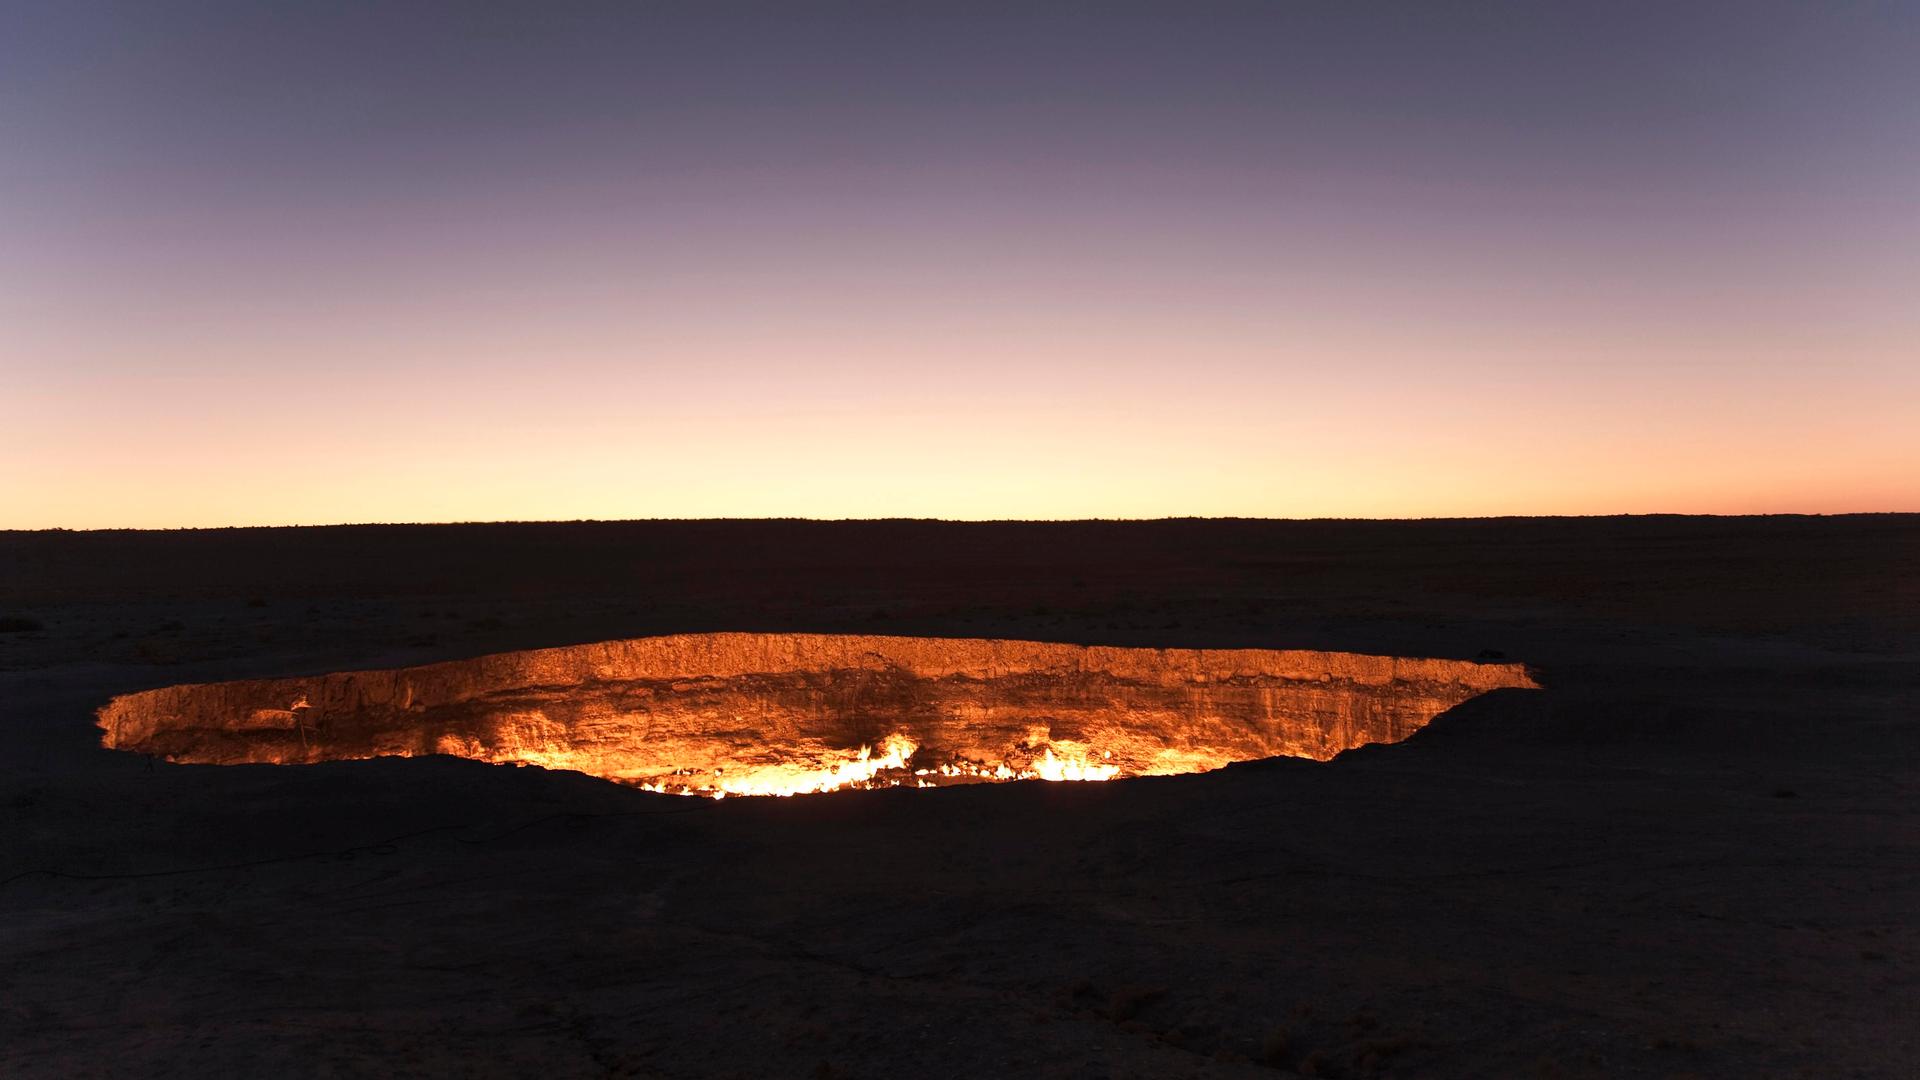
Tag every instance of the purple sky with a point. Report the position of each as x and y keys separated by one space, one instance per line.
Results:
x=395 y=261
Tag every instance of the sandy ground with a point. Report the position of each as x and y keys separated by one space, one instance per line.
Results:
x=1697 y=853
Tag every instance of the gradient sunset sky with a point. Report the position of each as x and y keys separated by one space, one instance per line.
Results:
x=271 y=264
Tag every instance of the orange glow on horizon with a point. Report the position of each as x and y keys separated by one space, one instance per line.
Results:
x=1071 y=438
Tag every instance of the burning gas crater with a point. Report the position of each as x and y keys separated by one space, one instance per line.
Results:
x=791 y=714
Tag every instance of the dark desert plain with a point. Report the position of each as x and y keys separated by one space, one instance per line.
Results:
x=1695 y=852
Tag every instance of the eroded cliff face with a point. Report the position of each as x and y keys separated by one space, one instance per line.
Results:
x=790 y=713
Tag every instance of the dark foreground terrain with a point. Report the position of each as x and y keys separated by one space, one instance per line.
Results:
x=1697 y=853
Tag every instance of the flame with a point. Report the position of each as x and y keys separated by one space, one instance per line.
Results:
x=865 y=768
x=859 y=772
x=1075 y=767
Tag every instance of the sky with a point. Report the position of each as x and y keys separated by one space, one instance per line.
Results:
x=270 y=264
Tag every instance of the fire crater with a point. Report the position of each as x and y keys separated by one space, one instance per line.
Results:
x=790 y=714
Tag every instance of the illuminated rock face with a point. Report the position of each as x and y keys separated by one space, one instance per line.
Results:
x=790 y=713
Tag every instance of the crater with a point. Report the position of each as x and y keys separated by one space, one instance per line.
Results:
x=789 y=714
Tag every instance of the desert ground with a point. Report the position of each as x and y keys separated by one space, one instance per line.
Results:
x=1696 y=852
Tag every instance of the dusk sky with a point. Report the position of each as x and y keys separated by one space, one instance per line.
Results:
x=272 y=264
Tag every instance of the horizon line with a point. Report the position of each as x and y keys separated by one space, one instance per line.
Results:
x=960 y=521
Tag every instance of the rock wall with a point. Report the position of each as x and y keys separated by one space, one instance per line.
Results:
x=687 y=708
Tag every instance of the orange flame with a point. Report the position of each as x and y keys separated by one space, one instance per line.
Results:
x=868 y=768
